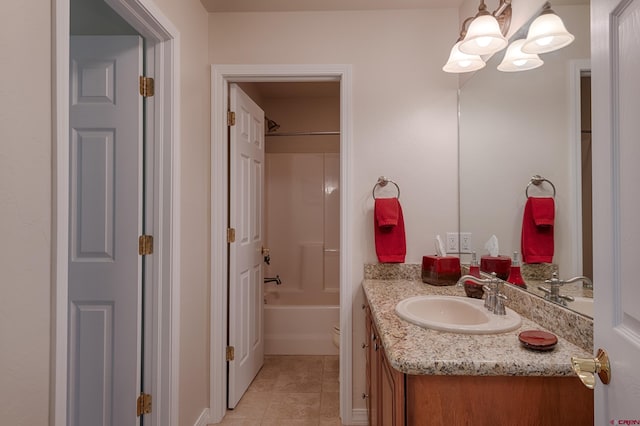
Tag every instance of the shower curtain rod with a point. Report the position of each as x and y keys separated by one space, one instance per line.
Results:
x=302 y=133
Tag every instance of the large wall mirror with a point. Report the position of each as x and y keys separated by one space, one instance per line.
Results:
x=513 y=126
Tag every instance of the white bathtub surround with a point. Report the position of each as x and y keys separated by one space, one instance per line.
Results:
x=303 y=226
x=300 y=330
x=311 y=267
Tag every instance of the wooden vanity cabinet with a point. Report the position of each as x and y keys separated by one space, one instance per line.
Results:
x=385 y=385
x=497 y=401
x=393 y=397
x=371 y=347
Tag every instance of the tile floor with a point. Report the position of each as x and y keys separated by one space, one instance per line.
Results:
x=300 y=390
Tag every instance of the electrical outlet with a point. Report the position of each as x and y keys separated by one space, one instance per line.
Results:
x=465 y=242
x=451 y=245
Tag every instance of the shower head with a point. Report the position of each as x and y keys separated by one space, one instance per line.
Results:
x=272 y=126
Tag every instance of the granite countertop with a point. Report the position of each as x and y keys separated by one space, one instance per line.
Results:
x=412 y=349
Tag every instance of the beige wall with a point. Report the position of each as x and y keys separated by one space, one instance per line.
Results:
x=191 y=20
x=404 y=112
x=25 y=211
x=25 y=208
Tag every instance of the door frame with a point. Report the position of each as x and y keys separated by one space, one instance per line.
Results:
x=221 y=76
x=576 y=68
x=163 y=111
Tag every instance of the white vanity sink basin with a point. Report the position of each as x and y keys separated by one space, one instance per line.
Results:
x=584 y=305
x=456 y=314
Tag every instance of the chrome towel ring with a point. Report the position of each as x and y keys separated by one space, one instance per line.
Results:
x=537 y=181
x=382 y=182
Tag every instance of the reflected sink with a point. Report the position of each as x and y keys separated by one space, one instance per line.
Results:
x=584 y=305
x=456 y=314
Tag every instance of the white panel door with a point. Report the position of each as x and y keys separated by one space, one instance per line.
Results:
x=246 y=198
x=615 y=42
x=106 y=219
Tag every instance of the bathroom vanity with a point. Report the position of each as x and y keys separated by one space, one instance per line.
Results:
x=419 y=376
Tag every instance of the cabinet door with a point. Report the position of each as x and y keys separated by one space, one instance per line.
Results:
x=391 y=393
x=372 y=371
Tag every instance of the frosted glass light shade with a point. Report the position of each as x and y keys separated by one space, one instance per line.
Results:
x=483 y=37
x=516 y=60
x=461 y=62
x=546 y=34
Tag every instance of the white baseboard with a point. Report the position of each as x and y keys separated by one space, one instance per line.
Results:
x=203 y=419
x=359 y=417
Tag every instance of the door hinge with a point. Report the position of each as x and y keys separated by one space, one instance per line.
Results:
x=146 y=86
x=231 y=353
x=231 y=235
x=144 y=404
x=145 y=245
x=231 y=118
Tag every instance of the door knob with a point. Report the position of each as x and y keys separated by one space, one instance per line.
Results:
x=587 y=368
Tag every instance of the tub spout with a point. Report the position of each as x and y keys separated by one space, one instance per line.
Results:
x=275 y=279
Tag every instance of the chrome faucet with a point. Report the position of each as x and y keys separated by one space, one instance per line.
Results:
x=552 y=293
x=494 y=299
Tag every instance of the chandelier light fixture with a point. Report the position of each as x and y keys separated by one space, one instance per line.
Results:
x=486 y=36
x=516 y=60
x=547 y=33
x=461 y=62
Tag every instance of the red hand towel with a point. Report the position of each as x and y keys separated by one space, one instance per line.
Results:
x=390 y=238
x=543 y=211
x=537 y=241
x=387 y=211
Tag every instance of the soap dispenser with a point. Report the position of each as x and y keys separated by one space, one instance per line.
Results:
x=515 y=276
x=470 y=288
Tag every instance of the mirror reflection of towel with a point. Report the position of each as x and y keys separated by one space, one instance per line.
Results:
x=537 y=230
x=389 y=231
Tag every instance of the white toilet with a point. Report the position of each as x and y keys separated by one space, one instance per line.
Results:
x=336 y=335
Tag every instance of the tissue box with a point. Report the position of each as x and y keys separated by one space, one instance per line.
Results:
x=440 y=270
x=501 y=265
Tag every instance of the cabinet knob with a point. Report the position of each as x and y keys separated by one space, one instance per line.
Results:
x=364 y=396
x=364 y=346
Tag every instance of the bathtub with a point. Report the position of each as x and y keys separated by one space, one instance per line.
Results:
x=300 y=329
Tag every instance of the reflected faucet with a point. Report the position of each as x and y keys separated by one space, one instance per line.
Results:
x=552 y=293
x=494 y=300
